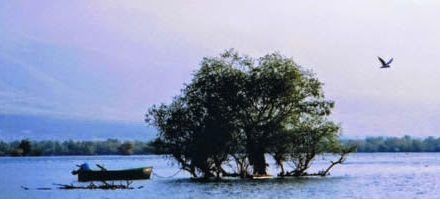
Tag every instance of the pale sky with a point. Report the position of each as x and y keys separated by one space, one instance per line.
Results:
x=111 y=60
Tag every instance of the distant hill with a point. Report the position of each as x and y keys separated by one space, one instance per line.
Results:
x=14 y=127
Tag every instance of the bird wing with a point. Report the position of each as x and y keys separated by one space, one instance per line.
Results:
x=389 y=62
x=382 y=61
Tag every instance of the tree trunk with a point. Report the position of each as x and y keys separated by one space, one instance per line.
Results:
x=256 y=152
x=259 y=162
x=283 y=172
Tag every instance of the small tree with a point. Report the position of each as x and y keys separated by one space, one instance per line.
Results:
x=4 y=148
x=26 y=147
x=126 y=148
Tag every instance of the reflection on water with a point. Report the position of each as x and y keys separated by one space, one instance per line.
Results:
x=386 y=175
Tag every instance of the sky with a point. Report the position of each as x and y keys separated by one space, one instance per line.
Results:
x=111 y=60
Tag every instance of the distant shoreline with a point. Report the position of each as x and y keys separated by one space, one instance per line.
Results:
x=76 y=148
x=119 y=155
x=20 y=148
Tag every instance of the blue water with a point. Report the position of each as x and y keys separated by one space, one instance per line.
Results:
x=381 y=175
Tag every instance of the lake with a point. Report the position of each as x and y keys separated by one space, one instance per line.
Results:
x=364 y=175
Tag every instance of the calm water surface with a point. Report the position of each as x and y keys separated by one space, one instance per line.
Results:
x=383 y=175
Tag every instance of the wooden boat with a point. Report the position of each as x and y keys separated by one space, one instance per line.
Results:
x=142 y=173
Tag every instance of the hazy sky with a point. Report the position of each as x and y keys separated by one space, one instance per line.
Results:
x=111 y=60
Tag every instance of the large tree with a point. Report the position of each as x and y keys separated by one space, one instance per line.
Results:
x=243 y=108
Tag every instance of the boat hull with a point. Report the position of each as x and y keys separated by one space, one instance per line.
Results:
x=109 y=175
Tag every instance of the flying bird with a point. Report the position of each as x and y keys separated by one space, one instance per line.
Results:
x=385 y=64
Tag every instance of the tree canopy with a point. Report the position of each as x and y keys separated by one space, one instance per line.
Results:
x=238 y=109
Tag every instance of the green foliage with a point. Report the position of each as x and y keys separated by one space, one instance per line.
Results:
x=4 y=148
x=70 y=147
x=126 y=148
x=243 y=108
x=26 y=147
x=396 y=144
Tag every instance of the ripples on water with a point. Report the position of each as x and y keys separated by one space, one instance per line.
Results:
x=382 y=175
